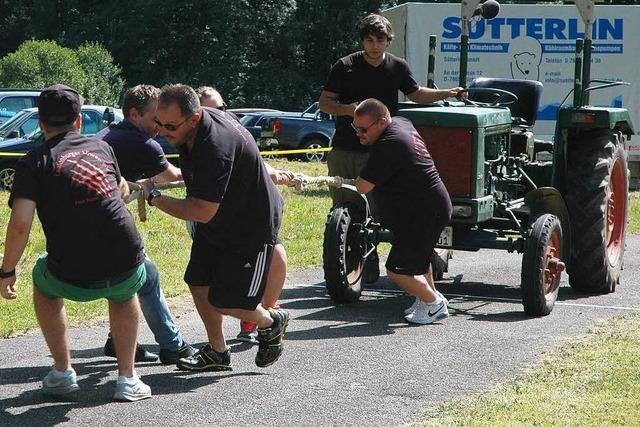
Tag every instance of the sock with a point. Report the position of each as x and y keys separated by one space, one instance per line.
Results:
x=62 y=374
x=131 y=380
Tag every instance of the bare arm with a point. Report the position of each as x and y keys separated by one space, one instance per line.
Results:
x=280 y=176
x=363 y=186
x=330 y=105
x=425 y=95
x=16 y=240
x=124 y=188
x=190 y=209
x=171 y=174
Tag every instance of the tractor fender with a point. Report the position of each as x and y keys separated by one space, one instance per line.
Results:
x=549 y=200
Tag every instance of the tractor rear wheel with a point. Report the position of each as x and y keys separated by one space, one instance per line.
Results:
x=597 y=201
x=542 y=266
x=343 y=257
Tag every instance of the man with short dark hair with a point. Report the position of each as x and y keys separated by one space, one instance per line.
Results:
x=93 y=248
x=412 y=201
x=238 y=211
x=370 y=73
x=139 y=155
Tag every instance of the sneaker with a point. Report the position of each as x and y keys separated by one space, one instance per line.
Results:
x=142 y=355
x=170 y=356
x=127 y=392
x=248 y=332
x=272 y=339
x=416 y=302
x=53 y=385
x=428 y=312
x=206 y=359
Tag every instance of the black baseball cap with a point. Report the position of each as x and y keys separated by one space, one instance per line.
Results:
x=59 y=105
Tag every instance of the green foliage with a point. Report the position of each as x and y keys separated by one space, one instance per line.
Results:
x=104 y=83
x=41 y=63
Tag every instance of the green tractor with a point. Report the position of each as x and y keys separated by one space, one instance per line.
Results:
x=563 y=204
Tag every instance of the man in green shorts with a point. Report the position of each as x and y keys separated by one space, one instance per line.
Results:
x=93 y=248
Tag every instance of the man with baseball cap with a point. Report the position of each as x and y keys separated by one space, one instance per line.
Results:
x=93 y=248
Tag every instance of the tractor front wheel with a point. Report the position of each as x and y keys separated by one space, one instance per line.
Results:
x=343 y=257
x=542 y=266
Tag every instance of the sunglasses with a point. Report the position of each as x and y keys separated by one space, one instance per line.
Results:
x=171 y=127
x=223 y=107
x=363 y=130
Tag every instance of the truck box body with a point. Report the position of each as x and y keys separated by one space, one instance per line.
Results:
x=533 y=42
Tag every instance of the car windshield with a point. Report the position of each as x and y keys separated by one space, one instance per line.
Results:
x=9 y=123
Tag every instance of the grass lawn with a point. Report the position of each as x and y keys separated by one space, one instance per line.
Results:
x=593 y=382
x=168 y=245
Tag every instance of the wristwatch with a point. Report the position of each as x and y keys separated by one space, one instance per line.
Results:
x=152 y=195
x=7 y=274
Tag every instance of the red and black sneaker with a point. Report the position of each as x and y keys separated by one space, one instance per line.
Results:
x=248 y=332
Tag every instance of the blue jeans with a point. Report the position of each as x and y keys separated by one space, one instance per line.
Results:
x=156 y=311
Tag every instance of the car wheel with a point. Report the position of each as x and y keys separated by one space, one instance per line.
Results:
x=313 y=144
x=7 y=173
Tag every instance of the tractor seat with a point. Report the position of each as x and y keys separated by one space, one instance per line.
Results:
x=528 y=92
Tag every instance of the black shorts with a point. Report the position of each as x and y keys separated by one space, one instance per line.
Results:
x=412 y=249
x=236 y=278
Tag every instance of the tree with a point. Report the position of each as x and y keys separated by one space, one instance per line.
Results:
x=41 y=63
x=104 y=83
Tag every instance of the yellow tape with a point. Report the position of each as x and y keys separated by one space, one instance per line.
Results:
x=264 y=153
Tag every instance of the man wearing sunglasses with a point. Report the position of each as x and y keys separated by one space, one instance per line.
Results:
x=412 y=202
x=370 y=73
x=210 y=97
x=238 y=211
x=140 y=156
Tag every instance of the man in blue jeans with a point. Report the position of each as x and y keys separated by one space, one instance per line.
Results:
x=140 y=156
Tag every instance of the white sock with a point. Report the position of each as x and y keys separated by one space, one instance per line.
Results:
x=131 y=380
x=62 y=374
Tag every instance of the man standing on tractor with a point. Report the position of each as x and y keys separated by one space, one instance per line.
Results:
x=370 y=73
x=412 y=201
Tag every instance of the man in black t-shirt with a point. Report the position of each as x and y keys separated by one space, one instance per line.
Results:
x=412 y=200
x=210 y=97
x=139 y=155
x=93 y=248
x=238 y=212
x=370 y=73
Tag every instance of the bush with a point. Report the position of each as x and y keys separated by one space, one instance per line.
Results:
x=41 y=63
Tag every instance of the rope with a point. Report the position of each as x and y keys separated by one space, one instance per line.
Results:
x=138 y=194
x=300 y=181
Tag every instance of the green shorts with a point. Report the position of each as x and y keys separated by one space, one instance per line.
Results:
x=51 y=287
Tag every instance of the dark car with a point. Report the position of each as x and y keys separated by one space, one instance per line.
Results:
x=259 y=125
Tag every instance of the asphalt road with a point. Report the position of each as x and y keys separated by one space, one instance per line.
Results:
x=359 y=364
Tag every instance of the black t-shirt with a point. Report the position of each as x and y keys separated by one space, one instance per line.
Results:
x=73 y=179
x=407 y=184
x=138 y=155
x=225 y=167
x=355 y=80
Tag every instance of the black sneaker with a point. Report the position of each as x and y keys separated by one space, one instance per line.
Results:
x=172 y=355
x=142 y=355
x=206 y=359
x=271 y=340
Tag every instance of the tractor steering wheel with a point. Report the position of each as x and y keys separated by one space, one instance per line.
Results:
x=499 y=94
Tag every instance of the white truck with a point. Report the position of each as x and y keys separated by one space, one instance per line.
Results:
x=532 y=42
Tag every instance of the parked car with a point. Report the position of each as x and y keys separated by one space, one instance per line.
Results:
x=241 y=112
x=14 y=100
x=94 y=118
x=307 y=130
x=259 y=125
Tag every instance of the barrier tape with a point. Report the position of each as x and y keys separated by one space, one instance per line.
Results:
x=263 y=153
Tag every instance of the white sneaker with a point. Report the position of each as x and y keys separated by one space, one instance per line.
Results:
x=446 y=301
x=428 y=313
x=416 y=302
x=413 y=306
x=60 y=386
x=126 y=392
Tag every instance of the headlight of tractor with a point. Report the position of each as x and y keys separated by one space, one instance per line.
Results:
x=462 y=211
